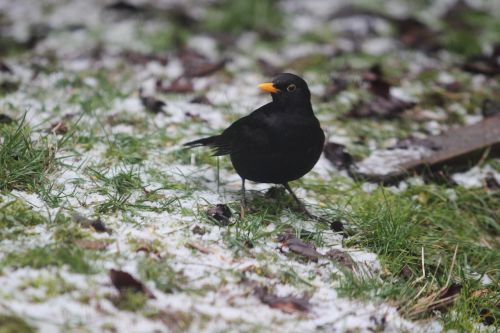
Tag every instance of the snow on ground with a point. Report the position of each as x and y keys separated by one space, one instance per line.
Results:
x=212 y=294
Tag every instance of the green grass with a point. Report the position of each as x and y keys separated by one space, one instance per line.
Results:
x=13 y=324
x=240 y=15
x=419 y=230
x=24 y=162
x=52 y=255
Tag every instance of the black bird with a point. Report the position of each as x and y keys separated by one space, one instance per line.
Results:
x=277 y=143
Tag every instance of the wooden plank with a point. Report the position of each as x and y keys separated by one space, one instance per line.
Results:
x=455 y=150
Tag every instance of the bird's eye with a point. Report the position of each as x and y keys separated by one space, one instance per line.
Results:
x=291 y=87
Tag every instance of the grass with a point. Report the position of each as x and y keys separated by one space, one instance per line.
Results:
x=428 y=240
x=13 y=324
x=24 y=162
x=52 y=255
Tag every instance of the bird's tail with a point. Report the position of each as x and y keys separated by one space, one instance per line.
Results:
x=202 y=142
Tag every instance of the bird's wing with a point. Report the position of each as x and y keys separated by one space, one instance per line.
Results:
x=250 y=133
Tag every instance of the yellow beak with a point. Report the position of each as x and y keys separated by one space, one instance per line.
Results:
x=268 y=87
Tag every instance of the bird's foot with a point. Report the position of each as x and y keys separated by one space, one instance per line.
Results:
x=243 y=209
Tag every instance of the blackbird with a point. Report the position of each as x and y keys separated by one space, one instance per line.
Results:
x=277 y=143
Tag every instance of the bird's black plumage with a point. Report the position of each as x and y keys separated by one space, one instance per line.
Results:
x=277 y=143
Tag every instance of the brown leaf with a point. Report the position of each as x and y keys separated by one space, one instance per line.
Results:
x=204 y=68
x=180 y=85
x=124 y=282
x=92 y=244
x=446 y=297
x=96 y=224
x=336 y=154
x=139 y=58
x=490 y=108
x=59 y=128
x=5 y=119
x=5 y=68
x=198 y=247
x=197 y=65
x=201 y=99
x=268 y=69
x=220 y=213
x=380 y=107
x=491 y=181
x=299 y=247
x=287 y=304
x=197 y=230
x=152 y=104
x=341 y=257
x=378 y=85
x=176 y=321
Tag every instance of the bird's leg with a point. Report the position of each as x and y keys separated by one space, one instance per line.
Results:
x=301 y=205
x=243 y=204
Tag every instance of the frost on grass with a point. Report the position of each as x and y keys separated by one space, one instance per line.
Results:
x=123 y=165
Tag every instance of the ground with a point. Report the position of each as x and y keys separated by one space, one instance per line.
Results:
x=96 y=99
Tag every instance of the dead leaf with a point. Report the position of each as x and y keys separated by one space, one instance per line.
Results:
x=221 y=213
x=337 y=226
x=125 y=282
x=336 y=154
x=267 y=68
x=198 y=247
x=175 y=320
x=299 y=247
x=201 y=99
x=96 y=224
x=5 y=119
x=287 y=304
x=5 y=68
x=92 y=244
x=380 y=107
x=180 y=85
x=490 y=108
x=139 y=58
x=152 y=104
x=341 y=257
x=197 y=230
x=59 y=128
x=446 y=297
x=378 y=84
x=491 y=181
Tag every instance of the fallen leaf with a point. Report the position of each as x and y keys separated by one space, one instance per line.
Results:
x=287 y=304
x=198 y=247
x=299 y=247
x=96 y=224
x=197 y=230
x=201 y=99
x=380 y=107
x=152 y=104
x=221 y=213
x=341 y=257
x=59 y=128
x=124 y=282
x=5 y=119
x=180 y=85
x=92 y=244
x=446 y=297
x=336 y=154
x=267 y=68
x=5 y=68
x=491 y=181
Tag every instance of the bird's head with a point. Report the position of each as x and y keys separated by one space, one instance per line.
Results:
x=287 y=89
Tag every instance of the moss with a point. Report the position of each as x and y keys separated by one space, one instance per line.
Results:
x=14 y=324
x=51 y=255
x=16 y=217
